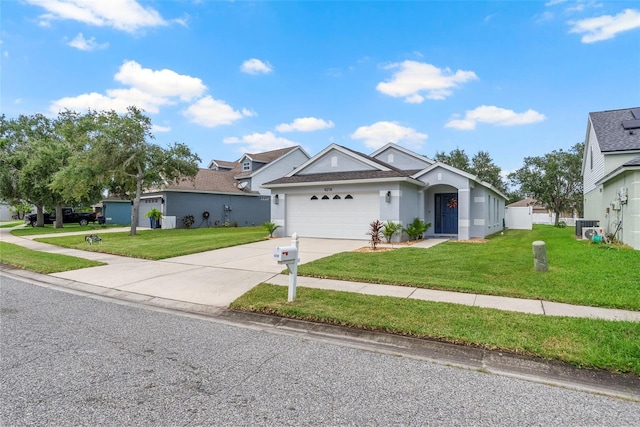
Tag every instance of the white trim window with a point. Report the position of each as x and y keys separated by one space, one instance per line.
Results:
x=246 y=166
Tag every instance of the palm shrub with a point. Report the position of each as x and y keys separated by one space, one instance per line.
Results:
x=375 y=231
x=389 y=229
x=416 y=229
x=271 y=227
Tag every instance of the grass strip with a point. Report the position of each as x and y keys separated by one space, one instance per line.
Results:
x=10 y=224
x=580 y=272
x=50 y=229
x=163 y=243
x=41 y=262
x=586 y=343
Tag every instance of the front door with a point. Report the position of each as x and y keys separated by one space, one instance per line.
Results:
x=446 y=217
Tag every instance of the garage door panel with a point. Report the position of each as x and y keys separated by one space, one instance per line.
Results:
x=341 y=218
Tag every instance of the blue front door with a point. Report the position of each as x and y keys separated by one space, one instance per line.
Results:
x=446 y=217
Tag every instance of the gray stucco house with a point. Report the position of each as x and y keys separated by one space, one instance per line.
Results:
x=611 y=173
x=225 y=193
x=339 y=192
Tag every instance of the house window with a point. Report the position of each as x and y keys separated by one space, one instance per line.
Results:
x=314 y=197
x=246 y=166
x=334 y=161
x=336 y=197
x=325 y=197
x=348 y=197
x=591 y=159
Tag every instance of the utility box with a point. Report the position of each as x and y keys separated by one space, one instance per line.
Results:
x=285 y=254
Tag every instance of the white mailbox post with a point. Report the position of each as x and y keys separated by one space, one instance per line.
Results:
x=288 y=255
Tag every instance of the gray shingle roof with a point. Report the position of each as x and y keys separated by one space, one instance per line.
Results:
x=612 y=136
x=633 y=162
x=210 y=180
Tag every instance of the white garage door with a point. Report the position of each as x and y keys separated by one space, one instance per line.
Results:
x=336 y=216
x=147 y=205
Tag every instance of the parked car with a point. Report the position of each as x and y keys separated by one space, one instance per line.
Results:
x=69 y=216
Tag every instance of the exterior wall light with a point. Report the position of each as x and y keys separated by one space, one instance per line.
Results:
x=388 y=197
x=276 y=199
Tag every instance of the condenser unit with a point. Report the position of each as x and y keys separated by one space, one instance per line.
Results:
x=589 y=232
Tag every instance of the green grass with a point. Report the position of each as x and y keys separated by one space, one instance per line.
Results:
x=9 y=224
x=586 y=343
x=49 y=229
x=41 y=262
x=579 y=272
x=163 y=243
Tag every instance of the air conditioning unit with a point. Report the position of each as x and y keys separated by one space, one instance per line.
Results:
x=589 y=232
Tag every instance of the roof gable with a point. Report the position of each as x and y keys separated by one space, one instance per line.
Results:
x=401 y=157
x=336 y=158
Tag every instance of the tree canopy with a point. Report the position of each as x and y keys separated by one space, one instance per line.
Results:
x=553 y=180
x=77 y=158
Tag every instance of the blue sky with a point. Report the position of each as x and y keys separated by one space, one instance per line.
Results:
x=514 y=78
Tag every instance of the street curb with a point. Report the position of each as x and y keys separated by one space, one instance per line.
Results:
x=624 y=386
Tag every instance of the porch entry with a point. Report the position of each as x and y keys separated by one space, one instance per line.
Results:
x=446 y=213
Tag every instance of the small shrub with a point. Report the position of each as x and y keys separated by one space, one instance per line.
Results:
x=416 y=229
x=271 y=227
x=188 y=221
x=561 y=224
x=389 y=229
x=375 y=231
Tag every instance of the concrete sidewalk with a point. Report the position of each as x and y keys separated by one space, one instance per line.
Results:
x=216 y=278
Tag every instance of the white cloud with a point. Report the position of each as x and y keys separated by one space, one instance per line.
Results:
x=158 y=128
x=79 y=42
x=259 y=142
x=256 y=66
x=305 y=124
x=93 y=100
x=148 y=89
x=210 y=112
x=381 y=133
x=413 y=78
x=124 y=15
x=554 y=2
x=606 y=26
x=165 y=83
x=495 y=116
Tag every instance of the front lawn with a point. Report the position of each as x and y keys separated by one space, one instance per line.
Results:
x=579 y=272
x=41 y=262
x=586 y=343
x=163 y=243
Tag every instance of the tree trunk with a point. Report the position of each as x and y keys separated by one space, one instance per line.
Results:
x=136 y=202
x=59 y=219
x=39 y=216
x=557 y=221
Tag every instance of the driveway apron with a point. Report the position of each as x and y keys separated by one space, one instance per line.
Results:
x=214 y=278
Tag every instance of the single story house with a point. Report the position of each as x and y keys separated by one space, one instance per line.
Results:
x=224 y=194
x=611 y=173
x=339 y=192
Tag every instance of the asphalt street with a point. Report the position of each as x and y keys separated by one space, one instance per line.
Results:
x=68 y=359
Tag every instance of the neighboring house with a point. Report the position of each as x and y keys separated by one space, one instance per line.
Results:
x=339 y=192
x=5 y=212
x=227 y=193
x=611 y=173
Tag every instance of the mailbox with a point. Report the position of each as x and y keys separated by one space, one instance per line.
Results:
x=285 y=254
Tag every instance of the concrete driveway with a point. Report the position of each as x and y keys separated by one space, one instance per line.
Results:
x=214 y=278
